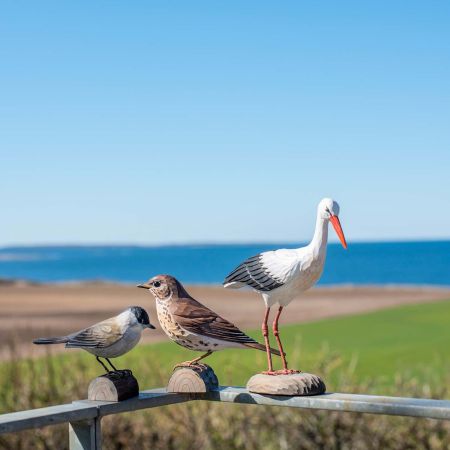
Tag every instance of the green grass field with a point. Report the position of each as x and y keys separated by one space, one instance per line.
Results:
x=412 y=340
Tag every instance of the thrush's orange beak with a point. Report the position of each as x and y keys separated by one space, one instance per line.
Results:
x=337 y=227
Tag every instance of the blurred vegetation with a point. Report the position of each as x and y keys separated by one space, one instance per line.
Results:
x=396 y=352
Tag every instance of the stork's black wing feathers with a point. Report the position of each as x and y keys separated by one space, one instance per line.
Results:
x=253 y=273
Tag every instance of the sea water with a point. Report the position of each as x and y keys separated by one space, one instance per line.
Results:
x=409 y=263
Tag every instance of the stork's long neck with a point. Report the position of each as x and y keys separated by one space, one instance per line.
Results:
x=319 y=241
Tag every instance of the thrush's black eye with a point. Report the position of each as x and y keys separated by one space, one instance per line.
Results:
x=157 y=284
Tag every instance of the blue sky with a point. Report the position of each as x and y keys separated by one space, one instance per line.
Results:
x=162 y=122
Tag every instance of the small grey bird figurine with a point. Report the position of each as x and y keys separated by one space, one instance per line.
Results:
x=107 y=339
x=191 y=324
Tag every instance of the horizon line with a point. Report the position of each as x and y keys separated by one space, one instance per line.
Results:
x=215 y=243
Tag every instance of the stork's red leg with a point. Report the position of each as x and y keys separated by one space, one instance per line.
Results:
x=276 y=333
x=265 y=332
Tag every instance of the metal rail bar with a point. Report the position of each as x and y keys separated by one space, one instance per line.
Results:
x=85 y=410
x=372 y=404
x=85 y=435
x=52 y=415
x=84 y=416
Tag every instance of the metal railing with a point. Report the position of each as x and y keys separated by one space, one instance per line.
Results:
x=84 y=416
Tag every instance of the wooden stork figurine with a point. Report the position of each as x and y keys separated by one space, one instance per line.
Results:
x=281 y=275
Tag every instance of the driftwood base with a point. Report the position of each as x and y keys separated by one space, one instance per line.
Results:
x=193 y=379
x=114 y=386
x=298 y=384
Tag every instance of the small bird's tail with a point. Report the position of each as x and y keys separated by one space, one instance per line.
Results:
x=51 y=340
x=262 y=347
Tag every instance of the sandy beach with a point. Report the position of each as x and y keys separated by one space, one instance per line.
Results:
x=29 y=311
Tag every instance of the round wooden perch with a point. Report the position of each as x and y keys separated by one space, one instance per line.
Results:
x=114 y=386
x=194 y=379
x=299 y=384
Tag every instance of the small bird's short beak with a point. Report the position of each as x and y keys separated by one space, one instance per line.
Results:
x=337 y=227
x=152 y=327
x=143 y=286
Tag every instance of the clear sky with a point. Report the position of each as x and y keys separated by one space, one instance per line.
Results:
x=162 y=122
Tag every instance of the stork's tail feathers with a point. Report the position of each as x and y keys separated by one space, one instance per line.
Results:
x=51 y=340
x=262 y=347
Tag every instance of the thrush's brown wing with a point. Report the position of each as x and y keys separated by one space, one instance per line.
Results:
x=197 y=318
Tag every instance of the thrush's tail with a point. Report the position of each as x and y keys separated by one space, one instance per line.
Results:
x=262 y=347
x=51 y=340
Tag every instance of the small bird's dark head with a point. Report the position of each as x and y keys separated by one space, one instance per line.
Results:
x=164 y=287
x=141 y=316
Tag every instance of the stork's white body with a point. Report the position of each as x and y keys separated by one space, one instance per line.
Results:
x=281 y=275
x=300 y=268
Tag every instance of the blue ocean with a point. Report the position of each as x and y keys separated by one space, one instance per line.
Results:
x=407 y=263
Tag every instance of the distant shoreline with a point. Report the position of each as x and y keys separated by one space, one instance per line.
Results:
x=104 y=282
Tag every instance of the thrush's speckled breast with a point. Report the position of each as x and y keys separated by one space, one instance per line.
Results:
x=179 y=335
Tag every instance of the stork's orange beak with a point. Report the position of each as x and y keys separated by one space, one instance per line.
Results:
x=337 y=226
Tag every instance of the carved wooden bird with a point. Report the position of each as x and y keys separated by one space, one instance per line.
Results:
x=191 y=324
x=107 y=339
x=281 y=275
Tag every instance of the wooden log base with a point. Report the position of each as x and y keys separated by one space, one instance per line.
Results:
x=297 y=384
x=114 y=386
x=196 y=378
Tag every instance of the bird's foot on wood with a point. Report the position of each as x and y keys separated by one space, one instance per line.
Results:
x=190 y=364
x=281 y=372
x=269 y=372
x=113 y=375
x=287 y=372
x=123 y=373
x=183 y=364
x=201 y=366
